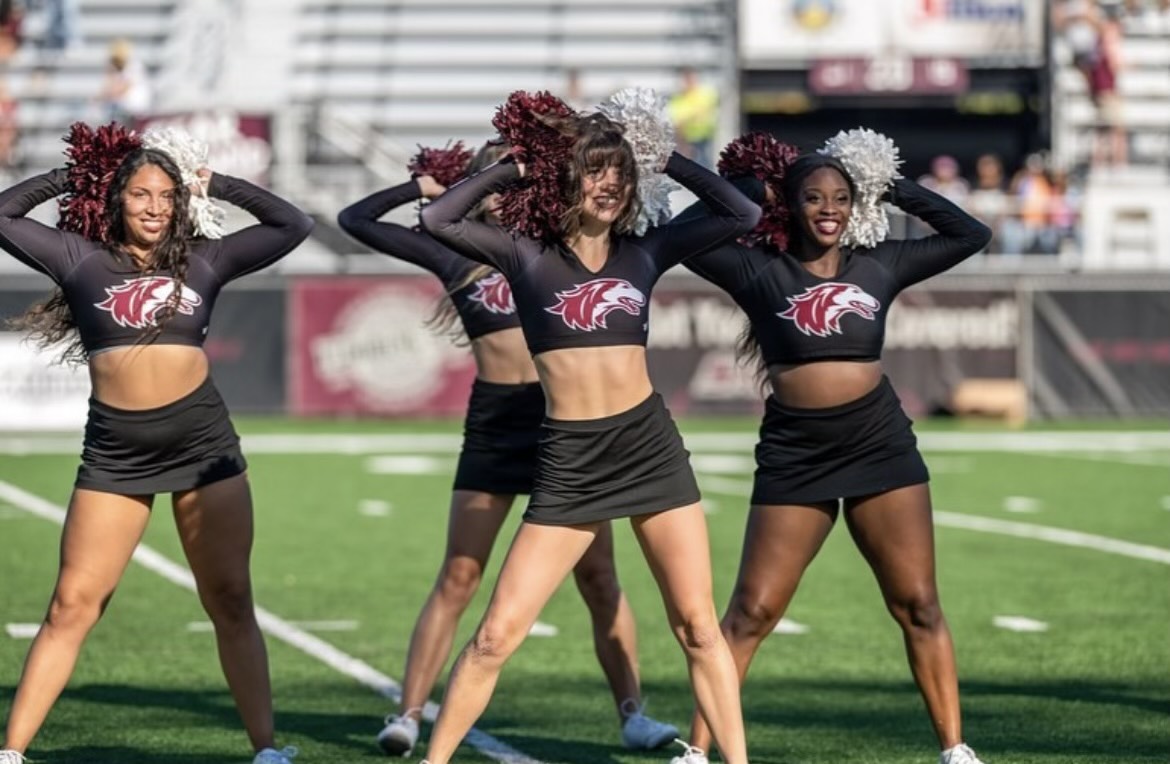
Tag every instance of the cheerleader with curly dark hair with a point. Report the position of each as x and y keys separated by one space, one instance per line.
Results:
x=135 y=290
x=581 y=279
x=816 y=280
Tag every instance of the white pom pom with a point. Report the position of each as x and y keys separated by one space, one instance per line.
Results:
x=191 y=156
x=650 y=132
x=872 y=161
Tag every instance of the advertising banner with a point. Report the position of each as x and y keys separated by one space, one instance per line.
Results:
x=788 y=34
x=359 y=346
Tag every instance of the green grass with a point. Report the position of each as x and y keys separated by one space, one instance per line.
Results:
x=1094 y=688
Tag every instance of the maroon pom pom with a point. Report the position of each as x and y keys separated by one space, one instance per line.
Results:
x=761 y=156
x=447 y=165
x=93 y=158
x=531 y=123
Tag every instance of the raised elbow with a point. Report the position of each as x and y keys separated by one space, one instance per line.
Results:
x=750 y=219
x=982 y=235
x=348 y=220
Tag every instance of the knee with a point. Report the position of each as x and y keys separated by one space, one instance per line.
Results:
x=599 y=587
x=495 y=640
x=73 y=608
x=750 y=616
x=917 y=611
x=459 y=581
x=229 y=604
x=698 y=632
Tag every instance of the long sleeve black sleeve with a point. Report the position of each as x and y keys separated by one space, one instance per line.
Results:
x=729 y=266
x=360 y=220
x=41 y=247
x=731 y=214
x=280 y=229
x=959 y=236
x=446 y=219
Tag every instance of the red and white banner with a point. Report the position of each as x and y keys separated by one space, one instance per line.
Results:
x=360 y=346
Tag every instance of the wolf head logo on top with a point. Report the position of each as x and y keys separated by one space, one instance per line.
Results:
x=494 y=293
x=586 y=306
x=136 y=302
x=817 y=312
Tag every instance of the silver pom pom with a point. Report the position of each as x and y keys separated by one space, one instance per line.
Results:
x=651 y=134
x=191 y=156
x=872 y=161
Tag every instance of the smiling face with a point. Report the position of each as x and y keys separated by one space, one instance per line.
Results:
x=825 y=203
x=148 y=202
x=605 y=196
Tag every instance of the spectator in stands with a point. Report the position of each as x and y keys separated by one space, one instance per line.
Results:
x=61 y=28
x=126 y=93
x=989 y=200
x=1030 y=232
x=9 y=131
x=574 y=92
x=1064 y=212
x=11 y=22
x=695 y=112
x=943 y=179
x=1093 y=33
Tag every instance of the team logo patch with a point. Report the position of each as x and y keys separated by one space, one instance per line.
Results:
x=494 y=293
x=818 y=310
x=136 y=302
x=586 y=306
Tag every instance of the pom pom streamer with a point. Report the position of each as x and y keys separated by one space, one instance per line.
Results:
x=92 y=158
x=642 y=112
x=762 y=156
x=528 y=122
x=207 y=218
x=447 y=165
x=872 y=161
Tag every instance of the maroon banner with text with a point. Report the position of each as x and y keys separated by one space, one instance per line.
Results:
x=360 y=346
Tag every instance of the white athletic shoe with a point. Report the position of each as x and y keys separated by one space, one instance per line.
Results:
x=11 y=757
x=691 y=755
x=399 y=735
x=273 y=756
x=960 y=754
x=642 y=733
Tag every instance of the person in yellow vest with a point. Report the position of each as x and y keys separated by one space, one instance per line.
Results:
x=695 y=112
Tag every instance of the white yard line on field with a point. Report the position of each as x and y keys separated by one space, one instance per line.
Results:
x=1108 y=443
x=1018 y=623
x=277 y=627
x=992 y=525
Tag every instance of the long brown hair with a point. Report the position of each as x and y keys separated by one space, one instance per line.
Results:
x=444 y=319
x=601 y=144
x=51 y=321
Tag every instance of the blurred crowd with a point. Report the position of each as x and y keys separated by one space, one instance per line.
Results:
x=1034 y=210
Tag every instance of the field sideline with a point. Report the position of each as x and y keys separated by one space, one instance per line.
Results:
x=1053 y=552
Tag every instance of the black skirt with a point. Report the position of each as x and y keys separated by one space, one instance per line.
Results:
x=185 y=444
x=859 y=448
x=500 y=436
x=632 y=463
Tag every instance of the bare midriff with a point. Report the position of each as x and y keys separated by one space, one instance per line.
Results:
x=823 y=384
x=591 y=383
x=502 y=358
x=138 y=377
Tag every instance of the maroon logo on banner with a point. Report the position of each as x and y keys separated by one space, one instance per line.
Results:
x=136 y=302
x=494 y=293
x=818 y=310
x=586 y=306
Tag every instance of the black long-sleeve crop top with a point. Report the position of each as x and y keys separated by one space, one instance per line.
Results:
x=562 y=304
x=112 y=300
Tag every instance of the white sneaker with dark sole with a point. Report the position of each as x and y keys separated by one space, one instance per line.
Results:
x=399 y=736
